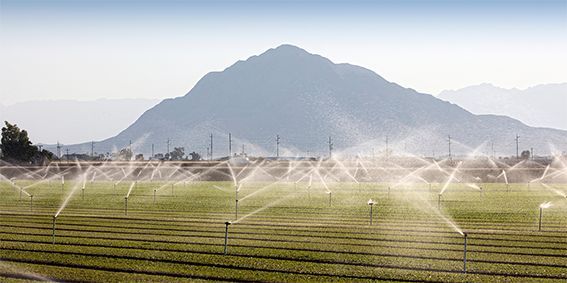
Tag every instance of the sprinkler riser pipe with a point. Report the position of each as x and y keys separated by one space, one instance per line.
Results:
x=226 y=238
x=236 y=210
x=53 y=230
x=540 y=215
x=371 y=215
x=465 y=254
x=126 y=206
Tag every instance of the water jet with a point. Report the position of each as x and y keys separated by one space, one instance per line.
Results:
x=541 y=207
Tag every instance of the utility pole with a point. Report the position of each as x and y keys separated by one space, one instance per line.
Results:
x=92 y=148
x=330 y=147
x=67 y=155
x=492 y=149
x=532 y=153
x=277 y=145
x=211 y=147
x=517 y=146
x=152 y=151
x=58 y=150
x=229 y=145
x=168 y=143
x=450 y=156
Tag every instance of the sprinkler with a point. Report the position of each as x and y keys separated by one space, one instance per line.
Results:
x=126 y=206
x=155 y=196
x=83 y=193
x=171 y=189
x=53 y=231
x=226 y=236
x=465 y=254
x=236 y=210
x=330 y=197
x=62 y=183
x=540 y=215
x=389 y=191
x=31 y=202
x=541 y=207
x=371 y=204
x=439 y=201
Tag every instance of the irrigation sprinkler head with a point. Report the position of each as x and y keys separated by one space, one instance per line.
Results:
x=371 y=202
x=545 y=205
x=227 y=223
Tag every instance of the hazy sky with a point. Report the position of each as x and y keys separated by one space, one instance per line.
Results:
x=157 y=49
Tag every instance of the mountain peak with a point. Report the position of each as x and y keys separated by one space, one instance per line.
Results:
x=287 y=49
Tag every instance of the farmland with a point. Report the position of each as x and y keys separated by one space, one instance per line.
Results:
x=284 y=231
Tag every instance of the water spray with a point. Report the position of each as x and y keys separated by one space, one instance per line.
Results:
x=62 y=182
x=465 y=253
x=226 y=224
x=541 y=207
x=371 y=204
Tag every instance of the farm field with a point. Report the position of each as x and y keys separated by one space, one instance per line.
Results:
x=286 y=232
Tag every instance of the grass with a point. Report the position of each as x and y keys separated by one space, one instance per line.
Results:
x=284 y=233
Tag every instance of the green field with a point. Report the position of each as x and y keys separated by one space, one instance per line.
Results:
x=285 y=232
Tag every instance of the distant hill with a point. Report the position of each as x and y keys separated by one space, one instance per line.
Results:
x=69 y=121
x=540 y=106
x=306 y=98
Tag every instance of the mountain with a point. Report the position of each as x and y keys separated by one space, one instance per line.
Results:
x=541 y=105
x=70 y=121
x=306 y=98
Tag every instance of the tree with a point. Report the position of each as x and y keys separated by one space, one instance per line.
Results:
x=16 y=145
x=125 y=154
x=177 y=153
x=525 y=154
x=195 y=156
